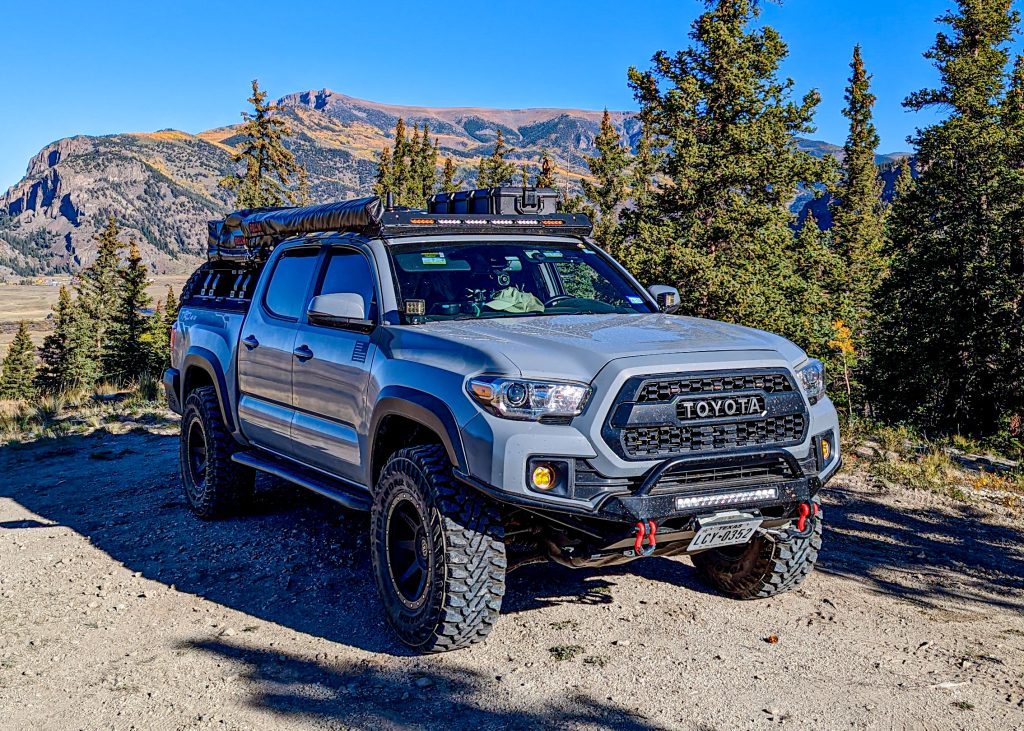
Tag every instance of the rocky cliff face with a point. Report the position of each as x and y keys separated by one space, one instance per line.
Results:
x=162 y=186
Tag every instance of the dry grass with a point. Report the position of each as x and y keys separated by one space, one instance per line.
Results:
x=113 y=409
x=34 y=303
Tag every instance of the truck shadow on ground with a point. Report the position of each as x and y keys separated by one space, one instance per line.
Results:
x=302 y=562
x=364 y=695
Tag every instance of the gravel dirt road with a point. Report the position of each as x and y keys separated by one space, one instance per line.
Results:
x=120 y=610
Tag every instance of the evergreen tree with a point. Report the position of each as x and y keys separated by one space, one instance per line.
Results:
x=126 y=356
x=608 y=190
x=640 y=220
x=546 y=177
x=98 y=287
x=448 y=182
x=413 y=192
x=68 y=361
x=730 y=167
x=949 y=344
x=155 y=343
x=524 y=176
x=385 y=180
x=171 y=307
x=400 y=162
x=858 y=218
x=19 y=367
x=496 y=170
x=269 y=165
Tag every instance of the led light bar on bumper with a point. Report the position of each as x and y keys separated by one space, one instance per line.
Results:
x=517 y=398
x=727 y=498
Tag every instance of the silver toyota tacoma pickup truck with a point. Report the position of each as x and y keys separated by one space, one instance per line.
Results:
x=495 y=390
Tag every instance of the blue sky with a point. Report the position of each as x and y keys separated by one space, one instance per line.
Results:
x=104 y=67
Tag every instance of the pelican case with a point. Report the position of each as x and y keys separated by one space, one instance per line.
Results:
x=503 y=201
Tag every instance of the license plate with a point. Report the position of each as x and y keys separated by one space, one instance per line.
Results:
x=728 y=533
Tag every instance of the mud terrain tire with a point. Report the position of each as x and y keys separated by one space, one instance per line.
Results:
x=215 y=487
x=761 y=568
x=438 y=553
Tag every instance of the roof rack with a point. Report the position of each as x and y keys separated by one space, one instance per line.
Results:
x=250 y=235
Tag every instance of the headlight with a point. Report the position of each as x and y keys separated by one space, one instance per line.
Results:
x=812 y=380
x=515 y=398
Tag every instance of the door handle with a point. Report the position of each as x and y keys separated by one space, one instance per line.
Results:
x=250 y=342
x=303 y=352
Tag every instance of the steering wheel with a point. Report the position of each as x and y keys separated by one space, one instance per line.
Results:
x=558 y=298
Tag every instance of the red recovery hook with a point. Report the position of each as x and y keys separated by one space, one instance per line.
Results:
x=649 y=529
x=803 y=513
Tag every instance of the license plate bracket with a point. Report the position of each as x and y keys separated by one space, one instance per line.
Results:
x=724 y=529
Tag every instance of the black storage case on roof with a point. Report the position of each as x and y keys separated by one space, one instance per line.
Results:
x=496 y=202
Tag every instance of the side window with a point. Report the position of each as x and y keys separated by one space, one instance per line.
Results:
x=349 y=271
x=289 y=282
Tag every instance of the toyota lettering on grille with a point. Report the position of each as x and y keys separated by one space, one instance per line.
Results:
x=710 y=408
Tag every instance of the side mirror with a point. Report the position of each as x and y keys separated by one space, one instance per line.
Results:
x=666 y=297
x=341 y=309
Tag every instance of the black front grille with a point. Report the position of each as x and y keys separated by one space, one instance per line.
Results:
x=733 y=475
x=665 y=441
x=666 y=389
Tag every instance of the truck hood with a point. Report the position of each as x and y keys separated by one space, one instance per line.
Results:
x=578 y=346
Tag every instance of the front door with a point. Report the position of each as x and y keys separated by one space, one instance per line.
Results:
x=331 y=376
x=265 y=353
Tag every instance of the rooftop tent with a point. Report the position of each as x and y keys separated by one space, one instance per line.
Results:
x=250 y=234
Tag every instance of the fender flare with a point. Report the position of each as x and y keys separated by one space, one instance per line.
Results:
x=205 y=360
x=423 y=408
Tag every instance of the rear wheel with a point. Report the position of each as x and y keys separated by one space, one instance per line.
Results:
x=762 y=568
x=215 y=486
x=438 y=553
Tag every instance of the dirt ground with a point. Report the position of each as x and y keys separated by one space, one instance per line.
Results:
x=120 y=610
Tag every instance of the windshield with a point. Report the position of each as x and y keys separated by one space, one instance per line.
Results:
x=511 y=279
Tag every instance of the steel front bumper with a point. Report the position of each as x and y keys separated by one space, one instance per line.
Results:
x=654 y=497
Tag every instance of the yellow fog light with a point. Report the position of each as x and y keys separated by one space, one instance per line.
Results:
x=543 y=477
x=826 y=450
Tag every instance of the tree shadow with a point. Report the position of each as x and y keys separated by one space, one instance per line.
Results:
x=303 y=562
x=363 y=695
x=928 y=554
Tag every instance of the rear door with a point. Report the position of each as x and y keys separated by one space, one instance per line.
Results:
x=265 y=350
x=331 y=376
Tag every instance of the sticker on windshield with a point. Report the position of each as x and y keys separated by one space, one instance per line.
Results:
x=434 y=257
x=633 y=300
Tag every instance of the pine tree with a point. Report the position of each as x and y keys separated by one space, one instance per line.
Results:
x=385 y=180
x=546 y=177
x=640 y=221
x=400 y=161
x=171 y=307
x=126 y=356
x=68 y=361
x=728 y=125
x=608 y=190
x=98 y=287
x=269 y=165
x=858 y=218
x=496 y=170
x=448 y=182
x=19 y=367
x=155 y=342
x=949 y=343
x=413 y=192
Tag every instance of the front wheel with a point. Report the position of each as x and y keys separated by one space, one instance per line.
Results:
x=761 y=568
x=438 y=553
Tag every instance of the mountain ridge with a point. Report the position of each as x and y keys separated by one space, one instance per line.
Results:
x=162 y=186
